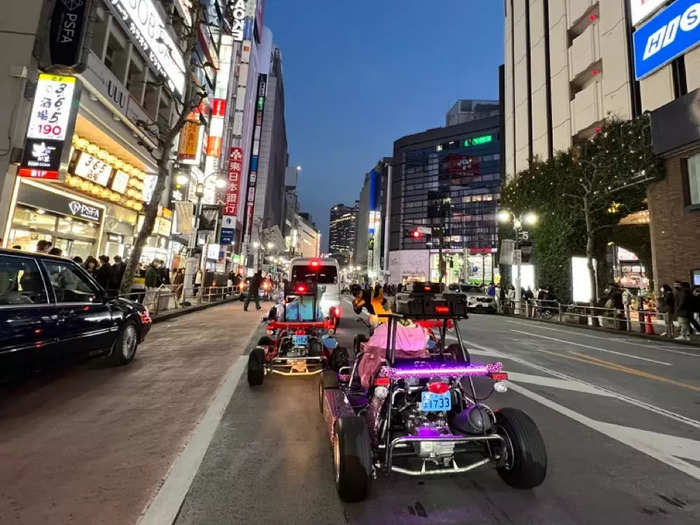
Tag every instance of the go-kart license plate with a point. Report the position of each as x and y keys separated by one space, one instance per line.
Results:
x=301 y=340
x=431 y=402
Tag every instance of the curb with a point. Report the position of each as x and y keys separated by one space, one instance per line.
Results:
x=190 y=310
x=655 y=338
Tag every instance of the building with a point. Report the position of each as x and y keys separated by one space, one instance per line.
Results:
x=342 y=233
x=571 y=64
x=445 y=185
x=308 y=237
x=467 y=110
x=371 y=214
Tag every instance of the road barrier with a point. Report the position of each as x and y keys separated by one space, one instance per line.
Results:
x=169 y=298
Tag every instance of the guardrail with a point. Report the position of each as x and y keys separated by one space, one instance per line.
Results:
x=626 y=319
x=167 y=298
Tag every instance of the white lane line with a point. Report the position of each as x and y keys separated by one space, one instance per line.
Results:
x=581 y=332
x=662 y=447
x=622 y=397
x=598 y=349
x=552 y=382
x=165 y=505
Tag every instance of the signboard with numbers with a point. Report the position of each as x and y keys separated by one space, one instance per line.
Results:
x=51 y=121
x=93 y=169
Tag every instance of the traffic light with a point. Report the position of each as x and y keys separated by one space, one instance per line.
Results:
x=416 y=234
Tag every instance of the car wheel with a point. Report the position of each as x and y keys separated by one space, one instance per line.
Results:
x=256 y=367
x=525 y=454
x=124 y=348
x=352 y=458
x=328 y=380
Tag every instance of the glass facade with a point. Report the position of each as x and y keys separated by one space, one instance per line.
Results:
x=449 y=188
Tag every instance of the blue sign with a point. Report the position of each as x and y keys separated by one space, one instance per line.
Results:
x=227 y=236
x=669 y=34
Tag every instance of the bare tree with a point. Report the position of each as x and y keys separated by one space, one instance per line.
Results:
x=167 y=133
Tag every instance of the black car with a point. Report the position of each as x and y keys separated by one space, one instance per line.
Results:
x=52 y=310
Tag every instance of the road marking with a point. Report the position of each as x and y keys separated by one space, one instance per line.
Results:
x=622 y=397
x=594 y=348
x=662 y=447
x=634 y=371
x=165 y=505
x=581 y=332
x=563 y=384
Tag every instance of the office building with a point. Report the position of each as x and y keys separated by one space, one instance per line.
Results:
x=467 y=110
x=342 y=233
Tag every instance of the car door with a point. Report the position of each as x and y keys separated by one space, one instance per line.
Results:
x=85 y=323
x=27 y=319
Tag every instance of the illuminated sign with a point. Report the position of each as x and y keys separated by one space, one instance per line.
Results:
x=669 y=34
x=478 y=141
x=120 y=182
x=238 y=11
x=142 y=19
x=149 y=186
x=50 y=122
x=84 y=211
x=93 y=169
x=641 y=9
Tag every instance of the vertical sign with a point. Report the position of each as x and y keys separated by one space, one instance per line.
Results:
x=255 y=152
x=233 y=191
x=67 y=33
x=50 y=123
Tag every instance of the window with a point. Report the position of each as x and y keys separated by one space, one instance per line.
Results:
x=69 y=284
x=99 y=31
x=694 y=179
x=326 y=274
x=117 y=53
x=136 y=77
x=150 y=98
x=20 y=282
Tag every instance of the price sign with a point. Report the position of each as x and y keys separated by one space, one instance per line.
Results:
x=52 y=107
x=93 y=169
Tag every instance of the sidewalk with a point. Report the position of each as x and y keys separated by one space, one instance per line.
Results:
x=91 y=444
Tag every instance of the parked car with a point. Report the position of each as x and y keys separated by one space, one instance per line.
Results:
x=52 y=310
x=477 y=299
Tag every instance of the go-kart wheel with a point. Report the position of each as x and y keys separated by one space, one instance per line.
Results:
x=525 y=454
x=352 y=458
x=359 y=338
x=339 y=358
x=256 y=367
x=455 y=350
x=328 y=380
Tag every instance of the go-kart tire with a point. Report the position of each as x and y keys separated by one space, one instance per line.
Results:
x=352 y=458
x=328 y=380
x=359 y=338
x=455 y=350
x=527 y=467
x=256 y=366
x=339 y=358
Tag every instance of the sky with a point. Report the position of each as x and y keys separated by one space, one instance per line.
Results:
x=360 y=74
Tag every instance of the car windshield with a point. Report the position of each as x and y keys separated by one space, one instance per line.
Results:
x=324 y=274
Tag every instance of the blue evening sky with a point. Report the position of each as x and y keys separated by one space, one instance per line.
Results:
x=361 y=74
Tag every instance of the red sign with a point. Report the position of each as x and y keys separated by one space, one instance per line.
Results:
x=218 y=107
x=480 y=251
x=233 y=186
x=462 y=166
x=37 y=174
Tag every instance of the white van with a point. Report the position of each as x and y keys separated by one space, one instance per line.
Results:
x=326 y=273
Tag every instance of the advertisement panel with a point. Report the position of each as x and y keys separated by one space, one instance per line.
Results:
x=67 y=31
x=51 y=120
x=188 y=148
x=253 y=172
x=668 y=35
x=93 y=169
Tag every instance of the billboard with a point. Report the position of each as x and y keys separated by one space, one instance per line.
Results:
x=668 y=35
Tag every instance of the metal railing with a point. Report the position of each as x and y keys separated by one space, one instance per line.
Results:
x=627 y=319
x=172 y=297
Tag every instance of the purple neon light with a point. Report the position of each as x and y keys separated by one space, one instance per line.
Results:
x=434 y=370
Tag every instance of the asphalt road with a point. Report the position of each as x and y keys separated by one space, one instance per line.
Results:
x=619 y=416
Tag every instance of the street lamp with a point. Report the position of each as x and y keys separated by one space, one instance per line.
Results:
x=529 y=219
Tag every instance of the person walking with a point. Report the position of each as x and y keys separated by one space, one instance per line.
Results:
x=103 y=275
x=683 y=309
x=153 y=278
x=118 y=269
x=253 y=291
x=91 y=265
x=695 y=315
x=664 y=305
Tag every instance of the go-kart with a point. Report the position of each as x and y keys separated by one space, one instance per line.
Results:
x=299 y=341
x=406 y=409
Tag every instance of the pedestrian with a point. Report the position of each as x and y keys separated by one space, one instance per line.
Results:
x=56 y=251
x=695 y=316
x=163 y=273
x=103 y=275
x=511 y=298
x=43 y=246
x=91 y=265
x=683 y=309
x=253 y=291
x=664 y=305
x=197 y=281
x=179 y=281
x=118 y=269
x=153 y=279
x=78 y=260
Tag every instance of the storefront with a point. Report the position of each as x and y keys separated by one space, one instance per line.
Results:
x=158 y=245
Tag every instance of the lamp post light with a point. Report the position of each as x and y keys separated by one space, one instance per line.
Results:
x=529 y=219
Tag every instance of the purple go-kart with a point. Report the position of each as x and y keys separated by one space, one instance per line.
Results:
x=401 y=408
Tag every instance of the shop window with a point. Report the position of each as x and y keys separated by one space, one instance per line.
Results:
x=20 y=281
x=694 y=179
x=34 y=219
x=136 y=77
x=99 y=27
x=117 y=52
x=69 y=285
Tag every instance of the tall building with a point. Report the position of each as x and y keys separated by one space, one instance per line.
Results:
x=342 y=233
x=308 y=237
x=445 y=184
x=469 y=109
x=371 y=216
x=571 y=64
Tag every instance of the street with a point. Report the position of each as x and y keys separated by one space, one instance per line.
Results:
x=180 y=435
